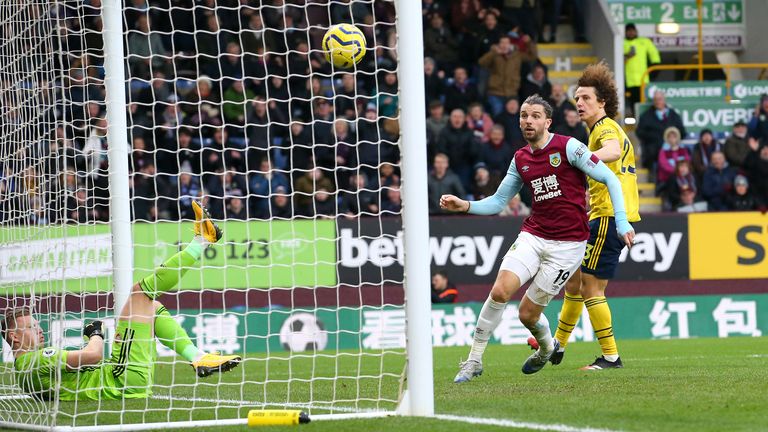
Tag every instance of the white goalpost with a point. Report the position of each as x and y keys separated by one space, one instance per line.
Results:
x=116 y=115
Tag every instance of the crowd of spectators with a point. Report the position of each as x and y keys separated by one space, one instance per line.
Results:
x=709 y=175
x=234 y=104
x=228 y=101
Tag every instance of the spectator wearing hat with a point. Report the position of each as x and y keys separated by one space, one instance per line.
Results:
x=639 y=54
x=671 y=153
x=703 y=152
x=758 y=124
x=742 y=198
x=717 y=182
x=736 y=147
x=443 y=291
x=651 y=127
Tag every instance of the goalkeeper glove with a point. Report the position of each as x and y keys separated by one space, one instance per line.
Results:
x=93 y=328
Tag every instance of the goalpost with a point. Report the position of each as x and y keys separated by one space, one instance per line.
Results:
x=116 y=115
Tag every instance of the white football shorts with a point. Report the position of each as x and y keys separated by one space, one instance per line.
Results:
x=550 y=262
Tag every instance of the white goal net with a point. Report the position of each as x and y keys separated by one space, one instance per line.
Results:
x=230 y=103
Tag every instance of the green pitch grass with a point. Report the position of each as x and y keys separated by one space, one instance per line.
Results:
x=674 y=385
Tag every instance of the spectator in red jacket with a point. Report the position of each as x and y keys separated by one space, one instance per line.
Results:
x=443 y=291
x=670 y=154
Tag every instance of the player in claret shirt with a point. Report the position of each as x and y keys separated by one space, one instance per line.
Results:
x=553 y=238
x=48 y=372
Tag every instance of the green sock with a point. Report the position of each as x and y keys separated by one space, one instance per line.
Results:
x=173 y=336
x=168 y=274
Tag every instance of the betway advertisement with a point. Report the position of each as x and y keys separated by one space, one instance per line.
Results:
x=377 y=328
x=471 y=249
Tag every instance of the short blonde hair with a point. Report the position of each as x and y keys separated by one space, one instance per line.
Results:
x=671 y=130
x=9 y=319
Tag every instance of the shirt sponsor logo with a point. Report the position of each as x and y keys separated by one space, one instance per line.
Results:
x=546 y=187
x=554 y=159
x=49 y=352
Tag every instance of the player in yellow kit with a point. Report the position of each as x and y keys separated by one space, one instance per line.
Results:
x=597 y=103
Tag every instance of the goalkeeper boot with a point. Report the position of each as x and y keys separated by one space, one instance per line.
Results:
x=601 y=363
x=204 y=226
x=211 y=363
x=468 y=370
x=537 y=360
x=556 y=357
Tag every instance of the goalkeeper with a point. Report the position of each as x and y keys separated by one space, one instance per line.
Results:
x=45 y=372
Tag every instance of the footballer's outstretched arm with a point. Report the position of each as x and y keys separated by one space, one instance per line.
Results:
x=491 y=205
x=580 y=157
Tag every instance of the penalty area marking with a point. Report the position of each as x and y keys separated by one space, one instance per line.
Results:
x=518 y=424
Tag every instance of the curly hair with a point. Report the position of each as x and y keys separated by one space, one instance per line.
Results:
x=600 y=77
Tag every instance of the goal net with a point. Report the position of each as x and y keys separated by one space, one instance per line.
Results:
x=233 y=104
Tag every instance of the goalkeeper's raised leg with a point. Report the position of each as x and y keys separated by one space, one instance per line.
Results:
x=165 y=278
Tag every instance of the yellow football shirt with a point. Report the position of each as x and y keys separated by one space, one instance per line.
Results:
x=624 y=168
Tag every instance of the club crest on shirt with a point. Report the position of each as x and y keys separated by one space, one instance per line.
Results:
x=554 y=159
x=525 y=168
x=48 y=352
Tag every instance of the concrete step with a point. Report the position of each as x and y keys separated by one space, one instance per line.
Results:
x=650 y=204
x=642 y=174
x=544 y=48
x=650 y=201
x=650 y=208
x=646 y=189
x=550 y=60
x=574 y=75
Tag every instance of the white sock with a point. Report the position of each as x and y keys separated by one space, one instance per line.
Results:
x=543 y=334
x=611 y=358
x=489 y=319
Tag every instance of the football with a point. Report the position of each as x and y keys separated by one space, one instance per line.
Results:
x=344 y=45
x=303 y=332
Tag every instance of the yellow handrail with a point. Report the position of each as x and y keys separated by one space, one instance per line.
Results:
x=727 y=68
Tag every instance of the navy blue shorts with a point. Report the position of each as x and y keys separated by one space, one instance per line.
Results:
x=603 y=249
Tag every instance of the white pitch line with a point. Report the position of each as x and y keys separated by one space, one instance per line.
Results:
x=518 y=424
